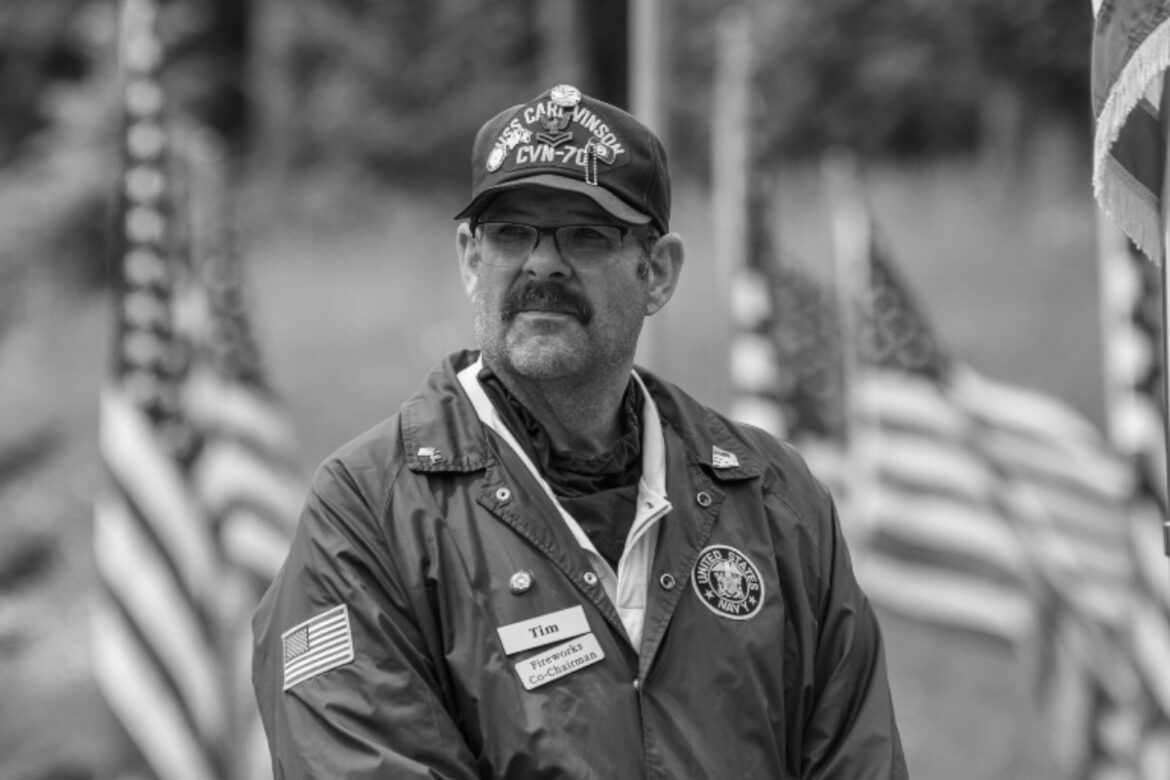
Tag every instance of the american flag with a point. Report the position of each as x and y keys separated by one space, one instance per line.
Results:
x=941 y=543
x=931 y=536
x=154 y=626
x=1040 y=515
x=984 y=504
x=321 y=643
x=245 y=473
x=1132 y=331
x=202 y=491
x=1131 y=52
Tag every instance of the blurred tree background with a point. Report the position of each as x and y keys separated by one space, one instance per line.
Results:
x=390 y=92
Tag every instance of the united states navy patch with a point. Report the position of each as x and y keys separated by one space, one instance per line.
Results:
x=728 y=583
x=319 y=644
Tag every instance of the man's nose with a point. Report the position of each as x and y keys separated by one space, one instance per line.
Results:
x=546 y=259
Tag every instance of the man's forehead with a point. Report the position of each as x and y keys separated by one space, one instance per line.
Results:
x=537 y=204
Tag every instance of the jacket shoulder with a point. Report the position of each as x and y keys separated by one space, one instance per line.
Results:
x=365 y=466
x=784 y=465
x=781 y=465
x=702 y=427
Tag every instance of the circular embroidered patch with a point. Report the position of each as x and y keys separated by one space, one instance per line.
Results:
x=496 y=158
x=728 y=583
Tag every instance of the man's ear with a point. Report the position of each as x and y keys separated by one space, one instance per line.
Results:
x=467 y=249
x=666 y=262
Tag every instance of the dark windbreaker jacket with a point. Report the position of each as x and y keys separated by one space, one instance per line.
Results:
x=378 y=653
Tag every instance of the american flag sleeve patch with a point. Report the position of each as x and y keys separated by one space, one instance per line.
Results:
x=319 y=644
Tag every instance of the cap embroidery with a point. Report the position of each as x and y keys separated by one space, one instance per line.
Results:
x=512 y=136
x=541 y=134
x=565 y=95
x=565 y=140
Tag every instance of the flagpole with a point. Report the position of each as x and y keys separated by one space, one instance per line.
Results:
x=851 y=237
x=731 y=130
x=1164 y=206
x=645 y=85
x=851 y=240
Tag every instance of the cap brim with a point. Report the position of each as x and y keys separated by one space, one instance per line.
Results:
x=614 y=205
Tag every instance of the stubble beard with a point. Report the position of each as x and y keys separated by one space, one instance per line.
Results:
x=556 y=357
x=535 y=357
x=572 y=352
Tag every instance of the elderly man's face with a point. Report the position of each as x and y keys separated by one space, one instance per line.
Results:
x=550 y=314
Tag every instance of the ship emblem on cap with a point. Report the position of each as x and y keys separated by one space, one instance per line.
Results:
x=554 y=123
x=562 y=97
x=509 y=139
x=728 y=583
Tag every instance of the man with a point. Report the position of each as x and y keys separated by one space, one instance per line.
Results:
x=550 y=564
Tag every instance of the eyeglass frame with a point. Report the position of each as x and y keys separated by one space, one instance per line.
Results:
x=541 y=231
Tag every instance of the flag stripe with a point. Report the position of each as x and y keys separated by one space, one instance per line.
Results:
x=324 y=653
x=935 y=544
x=147 y=472
x=1152 y=651
x=143 y=586
x=940 y=597
x=229 y=472
x=1138 y=140
x=238 y=412
x=253 y=544
x=135 y=637
x=936 y=523
x=143 y=702
x=118 y=496
x=1146 y=543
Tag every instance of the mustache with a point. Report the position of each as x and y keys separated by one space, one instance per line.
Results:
x=546 y=296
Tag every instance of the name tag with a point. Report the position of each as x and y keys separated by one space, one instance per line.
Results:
x=543 y=630
x=561 y=660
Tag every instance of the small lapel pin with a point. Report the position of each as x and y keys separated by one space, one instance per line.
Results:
x=722 y=459
x=521 y=581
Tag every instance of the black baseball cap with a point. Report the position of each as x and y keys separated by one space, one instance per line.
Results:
x=566 y=140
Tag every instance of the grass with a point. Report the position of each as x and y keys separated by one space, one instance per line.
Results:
x=353 y=309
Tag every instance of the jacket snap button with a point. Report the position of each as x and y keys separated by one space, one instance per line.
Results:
x=666 y=581
x=637 y=685
x=590 y=578
x=704 y=498
x=521 y=581
x=503 y=494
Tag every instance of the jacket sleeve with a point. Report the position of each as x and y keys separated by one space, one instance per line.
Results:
x=851 y=733
x=383 y=713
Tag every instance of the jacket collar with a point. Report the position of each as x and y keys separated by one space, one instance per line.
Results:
x=708 y=438
x=442 y=433
x=440 y=430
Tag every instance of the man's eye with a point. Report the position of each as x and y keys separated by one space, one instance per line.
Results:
x=590 y=236
x=512 y=232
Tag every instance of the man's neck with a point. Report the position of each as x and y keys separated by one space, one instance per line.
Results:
x=583 y=416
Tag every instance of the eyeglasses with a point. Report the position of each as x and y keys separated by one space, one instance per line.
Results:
x=585 y=244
